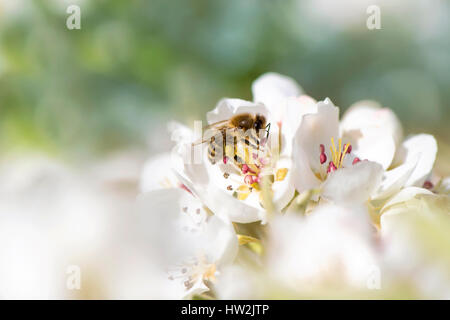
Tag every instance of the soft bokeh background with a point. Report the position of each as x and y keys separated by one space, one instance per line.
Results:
x=134 y=64
x=100 y=97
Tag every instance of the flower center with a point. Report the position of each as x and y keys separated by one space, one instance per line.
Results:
x=252 y=166
x=190 y=272
x=338 y=154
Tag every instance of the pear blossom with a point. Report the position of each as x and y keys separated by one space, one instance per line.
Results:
x=414 y=233
x=323 y=161
x=193 y=244
x=332 y=245
x=359 y=171
x=367 y=144
x=234 y=191
x=376 y=134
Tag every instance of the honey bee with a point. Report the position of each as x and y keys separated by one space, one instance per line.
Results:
x=238 y=132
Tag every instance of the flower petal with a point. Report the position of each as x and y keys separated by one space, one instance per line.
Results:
x=227 y=108
x=272 y=89
x=157 y=174
x=333 y=244
x=221 y=243
x=405 y=195
x=371 y=144
x=230 y=208
x=423 y=146
x=370 y=114
x=395 y=179
x=316 y=129
x=353 y=185
x=284 y=190
x=303 y=177
x=373 y=132
x=296 y=108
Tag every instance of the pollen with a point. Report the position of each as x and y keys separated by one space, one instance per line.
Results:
x=243 y=191
x=210 y=273
x=281 y=174
x=337 y=154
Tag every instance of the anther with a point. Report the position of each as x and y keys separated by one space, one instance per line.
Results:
x=428 y=185
x=230 y=187
x=331 y=167
x=349 y=148
x=225 y=160
x=245 y=168
x=226 y=175
x=356 y=160
x=323 y=158
x=248 y=179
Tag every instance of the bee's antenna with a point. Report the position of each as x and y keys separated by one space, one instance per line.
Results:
x=267 y=129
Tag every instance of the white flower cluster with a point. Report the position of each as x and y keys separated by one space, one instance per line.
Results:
x=333 y=202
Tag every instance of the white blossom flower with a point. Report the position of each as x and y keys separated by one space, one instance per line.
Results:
x=360 y=168
x=323 y=161
x=366 y=132
x=234 y=191
x=331 y=245
x=376 y=134
x=194 y=245
x=414 y=233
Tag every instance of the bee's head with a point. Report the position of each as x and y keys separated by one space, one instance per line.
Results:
x=260 y=122
x=243 y=121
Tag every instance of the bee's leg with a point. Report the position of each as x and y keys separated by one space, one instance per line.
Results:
x=211 y=154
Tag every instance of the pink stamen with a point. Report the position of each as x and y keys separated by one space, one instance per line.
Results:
x=356 y=160
x=349 y=150
x=245 y=168
x=225 y=160
x=248 y=179
x=331 y=167
x=256 y=179
x=428 y=185
x=323 y=158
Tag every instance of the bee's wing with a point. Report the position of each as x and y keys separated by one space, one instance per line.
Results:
x=219 y=125
x=216 y=125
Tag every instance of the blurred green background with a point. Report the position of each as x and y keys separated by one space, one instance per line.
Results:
x=134 y=65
